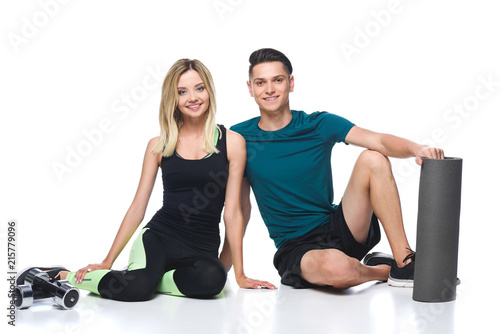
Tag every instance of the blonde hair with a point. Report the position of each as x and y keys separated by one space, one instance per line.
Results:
x=170 y=116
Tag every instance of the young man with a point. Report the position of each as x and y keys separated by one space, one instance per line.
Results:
x=289 y=170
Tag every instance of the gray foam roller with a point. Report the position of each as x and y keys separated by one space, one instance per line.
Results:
x=438 y=225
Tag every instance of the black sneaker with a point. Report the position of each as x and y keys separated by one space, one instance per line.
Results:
x=53 y=273
x=403 y=277
x=376 y=258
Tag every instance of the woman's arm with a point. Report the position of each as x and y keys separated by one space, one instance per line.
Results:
x=135 y=213
x=246 y=208
x=233 y=217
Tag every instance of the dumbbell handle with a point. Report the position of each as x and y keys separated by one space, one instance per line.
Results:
x=41 y=294
x=41 y=279
x=45 y=285
x=64 y=294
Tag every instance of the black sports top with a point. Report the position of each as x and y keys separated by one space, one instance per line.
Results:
x=193 y=198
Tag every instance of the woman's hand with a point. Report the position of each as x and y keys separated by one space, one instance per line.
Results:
x=80 y=274
x=248 y=283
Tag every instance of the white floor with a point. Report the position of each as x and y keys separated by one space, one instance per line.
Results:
x=369 y=308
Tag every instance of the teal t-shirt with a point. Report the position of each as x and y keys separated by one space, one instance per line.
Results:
x=290 y=171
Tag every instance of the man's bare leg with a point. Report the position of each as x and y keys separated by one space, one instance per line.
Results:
x=372 y=188
x=335 y=268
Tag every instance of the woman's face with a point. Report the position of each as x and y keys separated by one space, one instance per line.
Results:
x=193 y=95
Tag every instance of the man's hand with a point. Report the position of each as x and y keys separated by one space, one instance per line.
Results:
x=429 y=152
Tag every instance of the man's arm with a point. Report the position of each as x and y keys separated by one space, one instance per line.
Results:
x=246 y=208
x=392 y=146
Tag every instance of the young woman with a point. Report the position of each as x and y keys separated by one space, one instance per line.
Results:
x=202 y=168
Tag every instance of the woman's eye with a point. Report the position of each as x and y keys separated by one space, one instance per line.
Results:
x=200 y=89
x=182 y=92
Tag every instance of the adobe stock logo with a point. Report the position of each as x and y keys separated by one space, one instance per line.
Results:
x=452 y=119
x=224 y=6
x=31 y=26
x=121 y=108
x=363 y=36
x=202 y=198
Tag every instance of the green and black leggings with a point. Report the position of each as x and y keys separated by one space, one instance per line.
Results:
x=158 y=264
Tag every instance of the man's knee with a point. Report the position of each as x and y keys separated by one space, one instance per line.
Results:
x=345 y=273
x=374 y=160
x=330 y=267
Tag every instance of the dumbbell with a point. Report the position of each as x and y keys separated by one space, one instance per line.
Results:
x=38 y=286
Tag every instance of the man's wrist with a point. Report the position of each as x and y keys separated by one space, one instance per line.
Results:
x=422 y=148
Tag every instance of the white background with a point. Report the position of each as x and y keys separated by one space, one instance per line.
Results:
x=69 y=66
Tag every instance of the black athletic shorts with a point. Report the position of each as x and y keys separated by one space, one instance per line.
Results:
x=335 y=234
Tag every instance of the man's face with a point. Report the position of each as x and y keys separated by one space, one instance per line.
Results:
x=270 y=87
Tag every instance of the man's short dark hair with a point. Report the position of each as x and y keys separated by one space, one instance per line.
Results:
x=268 y=55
